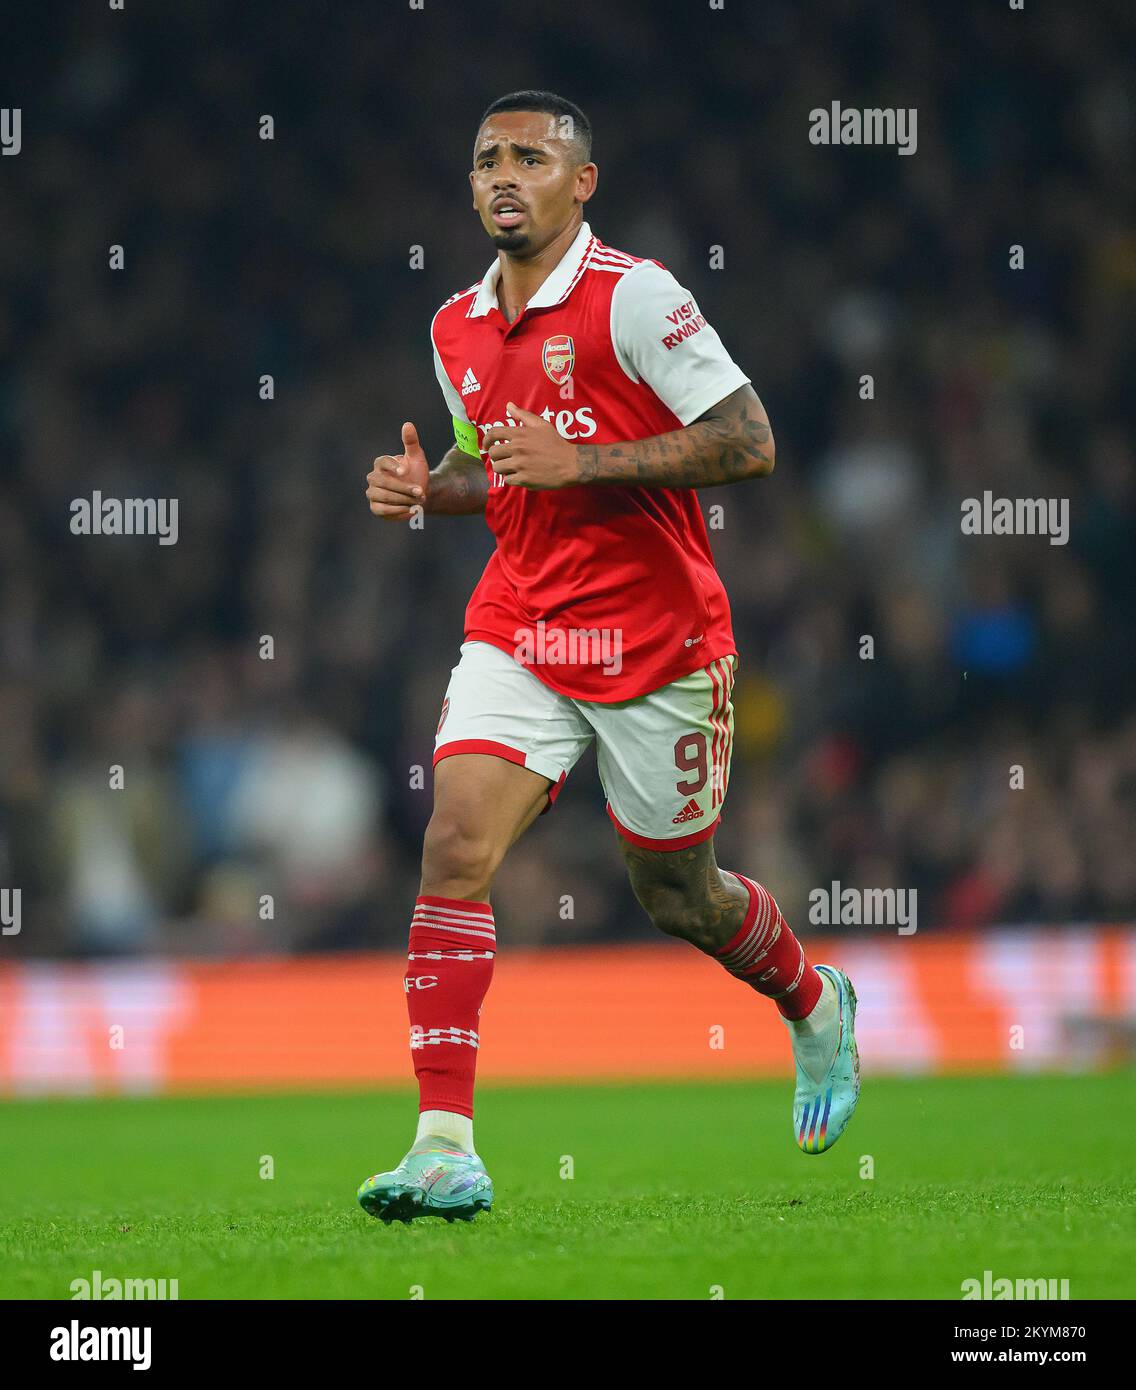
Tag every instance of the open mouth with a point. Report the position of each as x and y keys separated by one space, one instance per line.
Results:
x=507 y=214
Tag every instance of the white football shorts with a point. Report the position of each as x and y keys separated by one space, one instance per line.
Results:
x=664 y=758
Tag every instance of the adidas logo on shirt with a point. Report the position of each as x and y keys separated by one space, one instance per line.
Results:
x=470 y=383
x=691 y=811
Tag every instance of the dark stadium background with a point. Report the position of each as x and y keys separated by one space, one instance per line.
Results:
x=292 y=257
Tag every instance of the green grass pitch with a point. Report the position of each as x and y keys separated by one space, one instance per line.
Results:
x=678 y=1191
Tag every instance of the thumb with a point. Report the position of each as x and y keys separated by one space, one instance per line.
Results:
x=524 y=417
x=410 y=444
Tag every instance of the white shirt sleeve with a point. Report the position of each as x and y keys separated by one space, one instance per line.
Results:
x=660 y=338
x=453 y=400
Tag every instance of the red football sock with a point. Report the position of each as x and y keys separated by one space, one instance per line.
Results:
x=452 y=944
x=766 y=955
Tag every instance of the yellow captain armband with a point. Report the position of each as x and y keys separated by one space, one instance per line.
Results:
x=466 y=436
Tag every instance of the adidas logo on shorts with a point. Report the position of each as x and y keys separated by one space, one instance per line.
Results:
x=691 y=811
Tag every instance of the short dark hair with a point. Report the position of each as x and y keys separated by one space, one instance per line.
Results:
x=555 y=106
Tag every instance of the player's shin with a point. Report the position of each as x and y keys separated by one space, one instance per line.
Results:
x=450 y=965
x=769 y=958
x=819 y=1007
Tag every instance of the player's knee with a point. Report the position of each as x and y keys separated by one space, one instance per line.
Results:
x=458 y=857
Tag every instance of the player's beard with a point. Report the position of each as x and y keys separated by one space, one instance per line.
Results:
x=511 y=239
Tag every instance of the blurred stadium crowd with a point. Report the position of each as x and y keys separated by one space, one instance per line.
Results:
x=293 y=776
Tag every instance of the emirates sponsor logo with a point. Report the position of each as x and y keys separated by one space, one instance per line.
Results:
x=691 y=811
x=569 y=424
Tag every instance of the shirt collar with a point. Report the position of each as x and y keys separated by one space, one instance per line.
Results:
x=554 y=290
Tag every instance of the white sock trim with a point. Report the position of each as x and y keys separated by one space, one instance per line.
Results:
x=447 y=1124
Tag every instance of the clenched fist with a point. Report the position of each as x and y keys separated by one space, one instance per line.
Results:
x=397 y=483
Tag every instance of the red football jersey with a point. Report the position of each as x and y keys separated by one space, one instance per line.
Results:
x=606 y=592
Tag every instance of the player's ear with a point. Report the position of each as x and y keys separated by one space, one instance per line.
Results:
x=587 y=176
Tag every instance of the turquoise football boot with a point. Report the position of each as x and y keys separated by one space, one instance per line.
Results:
x=821 y=1110
x=436 y=1178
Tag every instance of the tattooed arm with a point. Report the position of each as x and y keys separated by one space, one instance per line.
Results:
x=732 y=441
x=459 y=486
x=728 y=444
